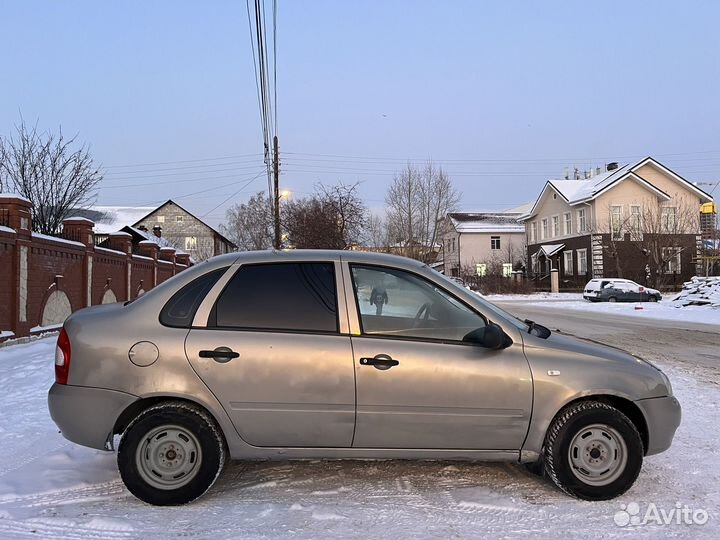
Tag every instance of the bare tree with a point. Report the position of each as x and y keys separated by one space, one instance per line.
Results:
x=351 y=213
x=333 y=218
x=660 y=231
x=55 y=174
x=250 y=224
x=417 y=200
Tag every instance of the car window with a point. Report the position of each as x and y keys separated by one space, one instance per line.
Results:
x=397 y=303
x=180 y=309
x=279 y=296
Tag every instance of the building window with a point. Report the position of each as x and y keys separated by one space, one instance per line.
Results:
x=544 y=230
x=568 y=263
x=507 y=269
x=481 y=269
x=568 y=223
x=178 y=219
x=494 y=242
x=533 y=231
x=582 y=261
x=635 y=224
x=582 y=223
x=667 y=219
x=616 y=222
x=161 y=219
x=190 y=243
x=555 y=226
x=671 y=260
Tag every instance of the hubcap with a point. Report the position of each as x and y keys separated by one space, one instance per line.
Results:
x=169 y=457
x=597 y=455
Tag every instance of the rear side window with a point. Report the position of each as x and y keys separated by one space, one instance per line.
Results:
x=280 y=296
x=180 y=310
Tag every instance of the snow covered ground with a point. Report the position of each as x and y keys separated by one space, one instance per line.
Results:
x=50 y=488
x=662 y=310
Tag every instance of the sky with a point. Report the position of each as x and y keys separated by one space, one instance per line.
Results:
x=503 y=95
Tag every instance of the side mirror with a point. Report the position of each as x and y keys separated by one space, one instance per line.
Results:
x=490 y=337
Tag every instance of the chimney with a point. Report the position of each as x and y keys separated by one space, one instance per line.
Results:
x=611 y=166
x=598 y=171
x=157 y=231
x=142 y=228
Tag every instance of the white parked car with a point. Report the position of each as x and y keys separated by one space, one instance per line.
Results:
x=619 y=290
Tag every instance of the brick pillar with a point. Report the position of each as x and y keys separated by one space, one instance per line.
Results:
x=167 y=253
x=80 y=229
x=182 y=258
x=16 y=213
x=122 y=241
x=148 y=248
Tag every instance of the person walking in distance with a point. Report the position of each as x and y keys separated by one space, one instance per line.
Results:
x=378 y=298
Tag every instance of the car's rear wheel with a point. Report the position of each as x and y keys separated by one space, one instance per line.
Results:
x=593 y=451
x=171 y=454
x=612 y=299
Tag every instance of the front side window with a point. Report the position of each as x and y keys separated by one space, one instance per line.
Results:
x=494 y=242
x=279 y=296
x=395 y=303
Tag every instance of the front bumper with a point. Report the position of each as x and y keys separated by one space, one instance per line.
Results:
x=86 y=415
x=663 y=417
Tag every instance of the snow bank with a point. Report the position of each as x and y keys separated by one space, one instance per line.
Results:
x=699 y=291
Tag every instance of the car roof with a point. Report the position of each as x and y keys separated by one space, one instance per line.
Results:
x=273 y=255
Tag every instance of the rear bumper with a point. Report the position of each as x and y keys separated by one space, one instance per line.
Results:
x=86 y=415
x=663 y=417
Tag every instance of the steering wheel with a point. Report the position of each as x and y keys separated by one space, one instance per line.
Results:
x=424 y=312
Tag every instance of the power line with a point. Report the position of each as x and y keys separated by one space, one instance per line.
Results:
x=180 y=161
x=233 y=194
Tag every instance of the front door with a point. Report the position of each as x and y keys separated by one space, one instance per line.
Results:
x=273 y=356
x=419 y=385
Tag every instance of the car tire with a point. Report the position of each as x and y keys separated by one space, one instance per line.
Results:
x=593 y=451
x=612 y=299
x=652 y=298
x=171 y=454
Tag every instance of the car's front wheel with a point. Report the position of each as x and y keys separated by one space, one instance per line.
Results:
x=171 y=454
x=593 y=451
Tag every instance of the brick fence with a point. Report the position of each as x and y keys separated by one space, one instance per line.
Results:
x=45 y=278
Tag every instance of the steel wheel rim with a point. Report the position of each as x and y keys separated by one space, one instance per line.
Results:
x=597 y=455
x=169 y=457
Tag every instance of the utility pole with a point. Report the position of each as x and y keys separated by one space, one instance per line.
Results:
x=276 y=192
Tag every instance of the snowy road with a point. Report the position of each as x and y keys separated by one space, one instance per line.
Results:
x=50 y=488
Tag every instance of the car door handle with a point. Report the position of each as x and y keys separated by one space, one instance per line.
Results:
x=380 y=361
x=220 y=354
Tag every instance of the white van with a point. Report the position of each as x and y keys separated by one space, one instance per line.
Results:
x=594 y=286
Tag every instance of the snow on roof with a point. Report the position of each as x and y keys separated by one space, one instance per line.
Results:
x=486 y=222
x=9 y=195
x=7 y=230
x=551 y=249
x=578 y=190
x=110 y=219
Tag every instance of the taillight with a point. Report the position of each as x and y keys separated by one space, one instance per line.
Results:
x=62 y=358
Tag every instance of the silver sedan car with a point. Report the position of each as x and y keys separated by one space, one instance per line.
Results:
x=345 y=355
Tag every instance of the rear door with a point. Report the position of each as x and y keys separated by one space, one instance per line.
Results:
x=419 y=385
x=273 y=355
